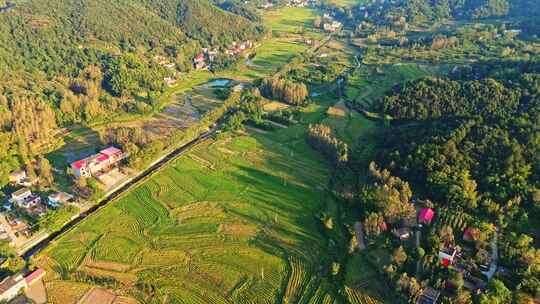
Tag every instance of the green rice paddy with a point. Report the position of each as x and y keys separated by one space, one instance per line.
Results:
x=233 y=221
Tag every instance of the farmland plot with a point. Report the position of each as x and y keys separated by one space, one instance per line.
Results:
x=214 y=227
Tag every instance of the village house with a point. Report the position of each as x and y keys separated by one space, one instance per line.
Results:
x=162 y=61
x=425 y=216
x=12 y=285
x=332 y=26
x=18 y=226
x=58 y=199
x=24 y=198
x=447 y=255
x=428 y=296
x=3 y=234
x=17 y=177
x=20 y=177
x=199 y=61
x=266 y=5
x=105 y=160
x=471 y=234
x=402 y=233
x=170 y=81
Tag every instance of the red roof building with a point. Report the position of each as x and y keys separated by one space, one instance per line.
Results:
x=102 y=161
x=111 y=151
x=79 y=164
x=199 y=58
x=102 y=157
x=34 y=276
x=471 y=234
x=426 y=215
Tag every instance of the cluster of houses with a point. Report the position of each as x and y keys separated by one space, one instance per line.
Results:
x=331 y=25
x=11 y=286
x=169 y=80
x=301 y=3
x=290 y=3
x=204 y=59
x=450 y=255
x=25 y=201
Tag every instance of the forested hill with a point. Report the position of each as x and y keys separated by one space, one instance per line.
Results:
x=76 y=61
x=203 y=20
x=44 y=35
x=423 y=10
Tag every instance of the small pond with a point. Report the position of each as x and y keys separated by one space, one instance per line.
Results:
x=218 y=83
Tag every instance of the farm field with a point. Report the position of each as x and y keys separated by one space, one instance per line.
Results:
x=233 y=221
x=237 y=219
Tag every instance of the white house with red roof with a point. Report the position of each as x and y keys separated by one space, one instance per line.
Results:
x=11 y=286
x=103 y=161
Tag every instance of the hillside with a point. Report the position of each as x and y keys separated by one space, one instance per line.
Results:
x=65 y=62
x=60 y=36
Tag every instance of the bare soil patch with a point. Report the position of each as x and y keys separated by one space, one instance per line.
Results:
x=98 y=295
x=238 y=229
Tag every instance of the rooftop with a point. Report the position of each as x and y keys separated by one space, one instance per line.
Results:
x=110 y=151
x=36 y=275
x=79 y=164
x=426 y=215
x=21 y=192
x=102 y=157
x=18 y=173
x=10 y=282
x=428 y=296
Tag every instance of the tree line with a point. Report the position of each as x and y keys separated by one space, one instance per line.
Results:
x=288 y=91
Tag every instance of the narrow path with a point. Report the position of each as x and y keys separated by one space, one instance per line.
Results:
x=494 y=258
x=359 y=233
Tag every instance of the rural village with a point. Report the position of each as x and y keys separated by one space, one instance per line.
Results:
x=277 y=195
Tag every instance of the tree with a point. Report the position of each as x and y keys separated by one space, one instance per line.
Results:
x=82 y=182
x=317 y=22
x=399 y=256
x=31 y=171
x=45 y=172
x=447 y=234
x=373 y=224
x=456 y=279
x=497 y=293
x=463 y=297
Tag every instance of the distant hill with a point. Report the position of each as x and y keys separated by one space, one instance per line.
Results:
x=49 y=35
x=421 y=10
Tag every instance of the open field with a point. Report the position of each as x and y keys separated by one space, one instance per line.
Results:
x=365 y=85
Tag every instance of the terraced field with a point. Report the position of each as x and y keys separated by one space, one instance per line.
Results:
x=233 y=221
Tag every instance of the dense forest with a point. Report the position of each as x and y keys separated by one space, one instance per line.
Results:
x=469 y=149
x=404 y=13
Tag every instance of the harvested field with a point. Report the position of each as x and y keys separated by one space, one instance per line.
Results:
x=98 y=295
